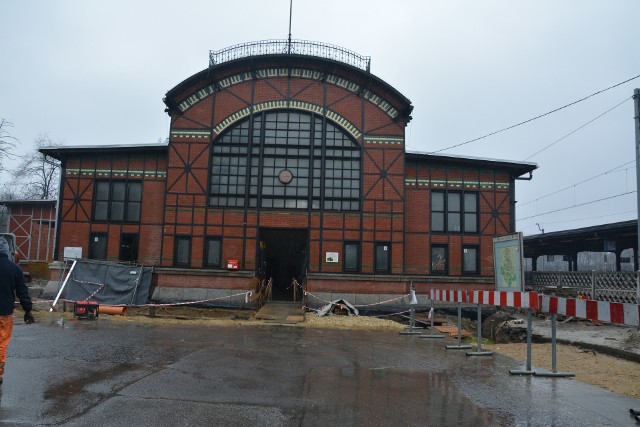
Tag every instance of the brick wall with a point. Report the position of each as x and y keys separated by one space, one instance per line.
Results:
x=382 y=164
x=77 y=205
x=395 y=193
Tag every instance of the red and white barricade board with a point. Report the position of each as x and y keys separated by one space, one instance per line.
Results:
x=602 y=311
x=504 y=298
x=448 y=295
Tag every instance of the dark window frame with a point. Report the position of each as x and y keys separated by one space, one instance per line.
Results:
x=177 y=239
x=447 y=212
x=377 y=268
x=130 y=206
x=445 y=271
x=348 y=268
x=205 y=260
x=475 y=272
x=321 y=164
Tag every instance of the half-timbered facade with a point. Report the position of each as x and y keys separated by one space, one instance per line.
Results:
x=287 y=164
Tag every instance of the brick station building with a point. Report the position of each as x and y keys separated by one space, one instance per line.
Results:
x=287 y=159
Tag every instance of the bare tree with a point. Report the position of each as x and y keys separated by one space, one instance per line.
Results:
x=7 y=192
x=37 y=175
x=4 y=218
x=7 y=141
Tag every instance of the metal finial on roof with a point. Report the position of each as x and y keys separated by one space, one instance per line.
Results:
x=290 y=15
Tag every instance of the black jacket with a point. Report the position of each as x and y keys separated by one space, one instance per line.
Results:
x=12 y=285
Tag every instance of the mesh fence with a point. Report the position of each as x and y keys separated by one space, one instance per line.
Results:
x=108 y=283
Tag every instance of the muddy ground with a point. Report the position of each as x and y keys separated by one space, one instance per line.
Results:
x=590 y=366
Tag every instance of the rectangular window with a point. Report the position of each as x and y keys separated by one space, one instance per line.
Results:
x=101 y=201
x=471 y=212
x=439 y=259
x=383 y=257
x=437 y=211
x=351 y=256
x=454 y=211
x=182 y=251
x=213 y=252
x=470 y=260
x=117 y=201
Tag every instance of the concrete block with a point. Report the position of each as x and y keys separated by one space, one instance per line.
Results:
x=367 y=299
x=350 y=298
x=318 y=299
x=195 y=294
x=51 y=289
x=395 y=300
x=168 y=294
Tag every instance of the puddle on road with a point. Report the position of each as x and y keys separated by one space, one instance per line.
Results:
x=422 y=398
x=73 y=395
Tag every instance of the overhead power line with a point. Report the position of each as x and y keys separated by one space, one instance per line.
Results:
x=576 y=130
x=536 y=117
x=580 y=204
x=576 y=184
x=585 y=219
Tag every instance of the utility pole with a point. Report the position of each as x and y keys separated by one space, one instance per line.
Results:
x=636 y=102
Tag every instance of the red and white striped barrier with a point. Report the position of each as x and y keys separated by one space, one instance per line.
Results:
x=448 y=295
x=504 y=299
x=602 y=311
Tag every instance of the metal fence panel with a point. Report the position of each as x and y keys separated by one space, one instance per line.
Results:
x=602 y=286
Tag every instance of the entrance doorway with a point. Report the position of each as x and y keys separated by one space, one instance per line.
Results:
x=283 y=256
x=128 y=247
x=98 y=246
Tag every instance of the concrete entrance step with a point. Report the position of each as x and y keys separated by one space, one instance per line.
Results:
x=281 y=312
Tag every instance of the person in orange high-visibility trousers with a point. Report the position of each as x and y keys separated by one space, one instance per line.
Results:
x=11 y=286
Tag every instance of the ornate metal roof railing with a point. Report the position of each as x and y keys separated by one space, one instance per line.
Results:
x=290 y=47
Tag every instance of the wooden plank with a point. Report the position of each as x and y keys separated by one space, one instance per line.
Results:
x=452 y=331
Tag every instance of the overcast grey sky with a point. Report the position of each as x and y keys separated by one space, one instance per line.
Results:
x=95 y=72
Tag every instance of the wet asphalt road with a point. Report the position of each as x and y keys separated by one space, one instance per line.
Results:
x=119 y=373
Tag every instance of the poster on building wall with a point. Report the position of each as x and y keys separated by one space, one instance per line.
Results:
x=331 y=257
x=508 y=262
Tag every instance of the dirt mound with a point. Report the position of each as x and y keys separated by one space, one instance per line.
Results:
x=633 y=341
x=503 y=326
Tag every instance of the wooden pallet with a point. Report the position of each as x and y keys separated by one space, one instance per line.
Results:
x=452 y=331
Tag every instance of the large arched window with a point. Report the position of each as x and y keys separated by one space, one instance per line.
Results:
x=285 y=159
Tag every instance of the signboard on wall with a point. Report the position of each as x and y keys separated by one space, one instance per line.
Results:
x=71 y=252
x=508 y=262
x=331 y=257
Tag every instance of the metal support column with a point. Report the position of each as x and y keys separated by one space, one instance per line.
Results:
x=636 y=102
x=554 y=372
x=460 y=346
x=479 y=352
x=431 y=328
x=527 y=370
x=412 y=329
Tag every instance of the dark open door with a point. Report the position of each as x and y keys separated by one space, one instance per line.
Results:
x=284 y=256
x=98 y=246
x=128 y=247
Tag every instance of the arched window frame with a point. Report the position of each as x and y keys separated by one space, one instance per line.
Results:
x=286 y=159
